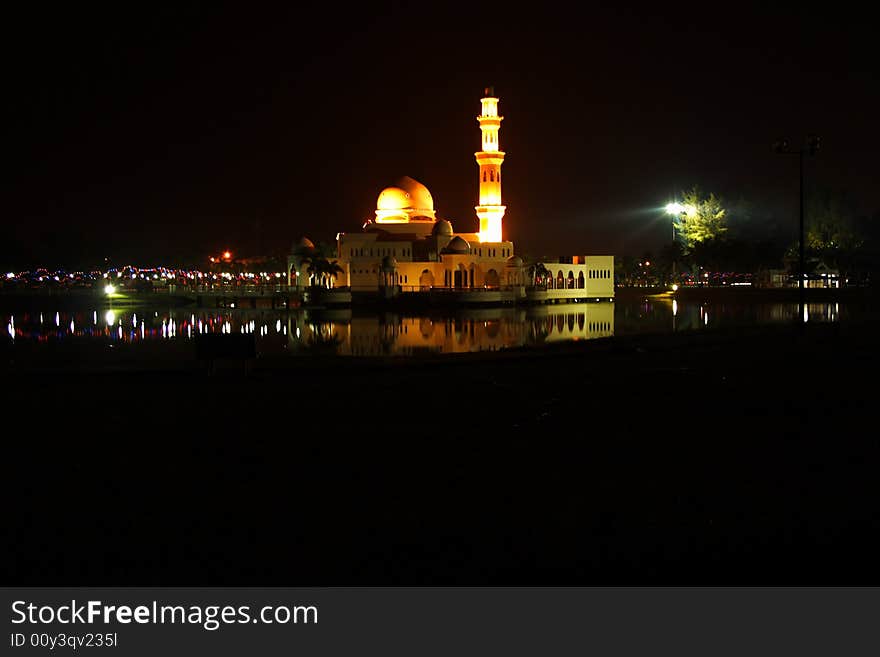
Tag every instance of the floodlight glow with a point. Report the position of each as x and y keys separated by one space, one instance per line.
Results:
x=109 y=289
x=674 y=208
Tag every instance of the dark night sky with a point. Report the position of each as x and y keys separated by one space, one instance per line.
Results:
x=148 y=134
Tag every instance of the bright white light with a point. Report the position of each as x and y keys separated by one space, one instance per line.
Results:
x=674 y=288
x=109 y=289
x=110 y=318
x=674 y=208
x=674 y=307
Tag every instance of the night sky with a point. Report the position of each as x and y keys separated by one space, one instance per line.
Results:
x=157 y=135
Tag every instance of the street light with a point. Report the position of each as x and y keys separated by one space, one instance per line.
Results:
x=810 y=147
x=674 y=209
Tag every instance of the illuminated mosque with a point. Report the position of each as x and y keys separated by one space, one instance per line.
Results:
x=405 y=250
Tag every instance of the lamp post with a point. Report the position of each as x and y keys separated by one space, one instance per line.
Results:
x=810 y=147
x=676 y=209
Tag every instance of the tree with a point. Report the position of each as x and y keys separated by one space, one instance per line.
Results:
x=322 y=270
x=832 y=234
x=701 y=219
x=830 y=222
x=538 y=273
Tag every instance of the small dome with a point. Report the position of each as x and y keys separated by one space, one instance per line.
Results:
x=457 y=245
x=389 y=262
x=302 y=245
x=514 y=261
x=442 y=227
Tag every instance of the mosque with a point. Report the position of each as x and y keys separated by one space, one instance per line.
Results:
x=406 y=251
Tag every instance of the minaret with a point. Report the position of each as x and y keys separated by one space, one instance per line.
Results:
x=490 y=211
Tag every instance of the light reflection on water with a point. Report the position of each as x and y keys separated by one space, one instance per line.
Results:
x=344 y=332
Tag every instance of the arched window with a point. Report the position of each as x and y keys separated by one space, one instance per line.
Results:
x=491 y=176
x=581 y=282
x=484 y=176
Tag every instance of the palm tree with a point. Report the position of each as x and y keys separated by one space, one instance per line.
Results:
x=316 y=269
x=538 y=273
x=333 y=270
x=322 y=270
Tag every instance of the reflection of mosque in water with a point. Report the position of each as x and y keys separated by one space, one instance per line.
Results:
x=485 y=329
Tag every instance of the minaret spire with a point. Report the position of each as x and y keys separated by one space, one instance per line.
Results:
x=490 y=210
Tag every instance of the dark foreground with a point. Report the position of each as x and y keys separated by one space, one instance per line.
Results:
x=709 y=458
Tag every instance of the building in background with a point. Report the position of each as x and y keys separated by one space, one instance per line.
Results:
x=407 y=250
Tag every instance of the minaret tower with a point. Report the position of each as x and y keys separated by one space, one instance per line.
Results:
x=490 y=211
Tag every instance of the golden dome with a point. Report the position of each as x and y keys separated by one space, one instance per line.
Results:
x=401 y=203
x=393 y=198
x=420 y=197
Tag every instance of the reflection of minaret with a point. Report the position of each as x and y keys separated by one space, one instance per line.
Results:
x=490 y=211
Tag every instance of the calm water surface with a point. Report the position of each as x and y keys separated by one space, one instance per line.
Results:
x=171 y=333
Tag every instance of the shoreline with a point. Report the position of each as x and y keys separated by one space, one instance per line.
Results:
x=30 y=299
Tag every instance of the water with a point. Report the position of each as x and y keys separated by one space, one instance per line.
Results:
x=169 y=334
